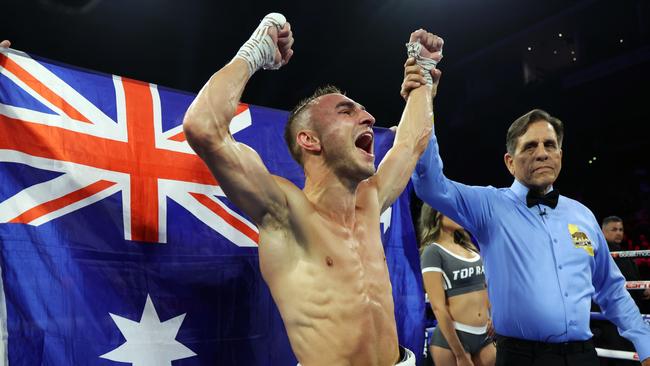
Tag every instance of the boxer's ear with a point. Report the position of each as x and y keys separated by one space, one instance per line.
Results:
x=308 y=140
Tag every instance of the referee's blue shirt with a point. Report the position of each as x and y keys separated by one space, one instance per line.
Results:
x=543 y=265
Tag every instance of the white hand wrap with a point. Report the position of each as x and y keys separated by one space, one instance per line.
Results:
x=259 y=50
x=413 y=50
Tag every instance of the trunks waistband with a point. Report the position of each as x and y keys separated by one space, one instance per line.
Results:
x=470 y=328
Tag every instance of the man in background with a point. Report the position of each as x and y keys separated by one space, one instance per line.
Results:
x=605 y=333
x=614 y=232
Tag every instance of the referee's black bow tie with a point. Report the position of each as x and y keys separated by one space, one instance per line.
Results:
x=550 y=199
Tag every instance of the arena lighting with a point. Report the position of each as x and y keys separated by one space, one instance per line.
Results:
x=559 y=35
x=530 y=48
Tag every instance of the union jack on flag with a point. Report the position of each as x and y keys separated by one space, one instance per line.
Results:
x=102 y=148
x=116 y=243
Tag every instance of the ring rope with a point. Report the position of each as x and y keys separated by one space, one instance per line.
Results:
x=631 y=254
x=637 y=285
x=610 y=353
x=621 y=355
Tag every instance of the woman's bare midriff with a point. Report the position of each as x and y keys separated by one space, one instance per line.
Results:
x=470 y=308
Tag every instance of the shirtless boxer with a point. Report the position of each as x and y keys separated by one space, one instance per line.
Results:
x=320 y=248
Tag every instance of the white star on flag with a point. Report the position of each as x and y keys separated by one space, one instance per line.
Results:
x=149 y=342
x=385 y=218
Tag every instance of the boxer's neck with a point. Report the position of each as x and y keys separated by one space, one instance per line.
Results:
x=332 y=198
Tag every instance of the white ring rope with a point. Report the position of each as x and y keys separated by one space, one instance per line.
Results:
x=621 y=355
x=631 y=254
x=610 y=353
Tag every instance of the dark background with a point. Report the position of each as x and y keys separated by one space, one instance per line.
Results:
x=594 y=76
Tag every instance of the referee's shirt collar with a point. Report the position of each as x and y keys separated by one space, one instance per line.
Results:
x=521 y=191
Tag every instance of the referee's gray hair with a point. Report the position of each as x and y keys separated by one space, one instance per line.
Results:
x=519 y=127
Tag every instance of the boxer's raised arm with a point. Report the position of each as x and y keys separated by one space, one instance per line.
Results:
x=415 y=126
x=238 y=168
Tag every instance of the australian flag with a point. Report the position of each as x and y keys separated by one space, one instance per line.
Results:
x=117 y=245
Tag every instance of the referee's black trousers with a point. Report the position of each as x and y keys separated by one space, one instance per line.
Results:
x=519 y=352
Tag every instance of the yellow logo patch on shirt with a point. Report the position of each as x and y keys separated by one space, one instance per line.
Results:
x=580 y=239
